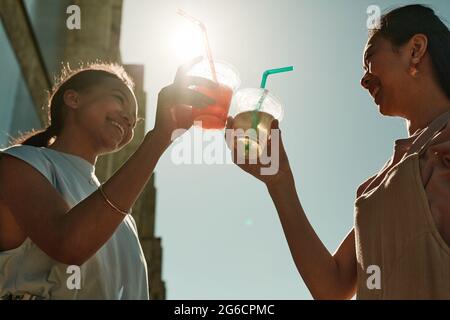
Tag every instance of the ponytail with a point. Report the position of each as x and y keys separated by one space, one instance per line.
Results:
x=37 y=138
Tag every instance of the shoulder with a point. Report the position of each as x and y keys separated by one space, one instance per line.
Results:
x=31 y=155
x=440 y=146
x=363 y=186
x=443 y=135
x=21 y=150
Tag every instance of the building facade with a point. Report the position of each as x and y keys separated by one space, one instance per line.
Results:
x=34 y=43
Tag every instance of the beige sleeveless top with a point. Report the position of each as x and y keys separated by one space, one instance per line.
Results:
x=395 y=235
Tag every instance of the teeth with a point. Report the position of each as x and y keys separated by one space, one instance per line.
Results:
x=118 y=126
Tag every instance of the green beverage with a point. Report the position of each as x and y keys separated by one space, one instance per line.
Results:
x=249 y=139
x=254 y=109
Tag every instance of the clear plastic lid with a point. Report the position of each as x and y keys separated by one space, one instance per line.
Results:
x=226 y=74
x=251 y=99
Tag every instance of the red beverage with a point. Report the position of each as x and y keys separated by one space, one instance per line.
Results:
x=215 y=115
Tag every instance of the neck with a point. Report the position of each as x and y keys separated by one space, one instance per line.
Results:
x=73 y=144
x=426 y=105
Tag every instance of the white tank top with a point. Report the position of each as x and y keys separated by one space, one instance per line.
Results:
x=117 y=271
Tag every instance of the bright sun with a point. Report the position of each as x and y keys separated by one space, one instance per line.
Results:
x=186 y=41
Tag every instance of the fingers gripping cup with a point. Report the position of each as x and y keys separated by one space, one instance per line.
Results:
x=214 y=116
x=255 y=109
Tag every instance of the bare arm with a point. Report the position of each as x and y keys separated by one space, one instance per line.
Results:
x=327 y=276
x=73 y=235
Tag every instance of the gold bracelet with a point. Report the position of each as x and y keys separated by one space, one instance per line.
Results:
x=111 y=204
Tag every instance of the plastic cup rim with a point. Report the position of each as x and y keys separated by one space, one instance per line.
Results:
x=280 y=117
x=227 y=65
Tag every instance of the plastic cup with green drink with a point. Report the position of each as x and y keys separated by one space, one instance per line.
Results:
x=255 y=109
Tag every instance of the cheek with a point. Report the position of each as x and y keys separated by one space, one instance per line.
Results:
x=392 y=70
x=90 y=118
x=94 y=107
x=99 y=123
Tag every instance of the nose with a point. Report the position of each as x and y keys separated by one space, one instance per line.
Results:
x=365 y=80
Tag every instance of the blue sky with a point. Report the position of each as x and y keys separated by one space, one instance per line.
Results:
x=221 y=234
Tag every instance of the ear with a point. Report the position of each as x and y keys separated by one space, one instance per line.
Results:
x=71 y=98
x=418 y=48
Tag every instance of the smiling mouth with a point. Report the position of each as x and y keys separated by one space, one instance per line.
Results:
x=118 y=126
x=375 y=94
x=375 y=91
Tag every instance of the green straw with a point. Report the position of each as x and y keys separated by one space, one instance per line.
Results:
x=273 y=71
x=255 y=118
x=255 y=114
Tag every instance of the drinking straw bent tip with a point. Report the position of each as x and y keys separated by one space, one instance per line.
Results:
x=202 y=27
x=273 y=71
x=193 y=19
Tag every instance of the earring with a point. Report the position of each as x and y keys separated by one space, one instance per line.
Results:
x=413 y=69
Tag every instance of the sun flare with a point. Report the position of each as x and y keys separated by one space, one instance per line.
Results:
x=186 y=41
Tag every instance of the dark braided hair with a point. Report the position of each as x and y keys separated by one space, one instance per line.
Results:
x=79 y=79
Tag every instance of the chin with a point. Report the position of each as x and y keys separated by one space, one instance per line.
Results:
x=118 y=148
x=385 y=110
x=108 y=151
x=109 y=146
x=382 y=111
